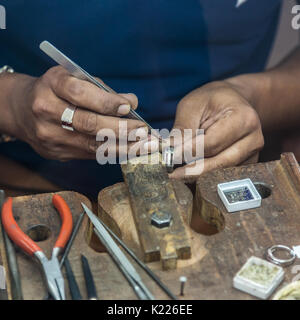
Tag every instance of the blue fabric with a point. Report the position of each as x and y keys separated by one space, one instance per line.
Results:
x=158 y=49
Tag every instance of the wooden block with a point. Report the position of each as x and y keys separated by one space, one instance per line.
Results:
x=151 y=192
x=218 y=252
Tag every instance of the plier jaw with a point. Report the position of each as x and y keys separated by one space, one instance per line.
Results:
x=52 y=274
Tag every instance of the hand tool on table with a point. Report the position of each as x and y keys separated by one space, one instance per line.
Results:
x=119 y=258
x=51 y=269
x=16 y=287
x=89 y=280
x=73 y=286
x=80 y=73
x=69 y=244
x=150 y=273
x=72 y=238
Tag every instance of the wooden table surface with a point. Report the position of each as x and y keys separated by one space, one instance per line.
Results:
x=218 y=252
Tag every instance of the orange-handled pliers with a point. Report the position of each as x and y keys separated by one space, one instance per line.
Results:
x=51 y=268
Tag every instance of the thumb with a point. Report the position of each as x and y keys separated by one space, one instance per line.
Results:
x=187 y=115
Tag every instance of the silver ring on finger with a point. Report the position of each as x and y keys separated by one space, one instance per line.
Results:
x=67 y=118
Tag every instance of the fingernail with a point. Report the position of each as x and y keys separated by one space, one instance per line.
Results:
x=123 y=109
x=142 y=133
x=150 y=146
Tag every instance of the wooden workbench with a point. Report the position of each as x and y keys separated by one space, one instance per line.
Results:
x=218 y=250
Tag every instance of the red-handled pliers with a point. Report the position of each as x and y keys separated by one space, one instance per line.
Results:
x=51 y=268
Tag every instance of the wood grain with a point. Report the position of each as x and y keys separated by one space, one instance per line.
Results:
x=151 y=192
x=218 y=252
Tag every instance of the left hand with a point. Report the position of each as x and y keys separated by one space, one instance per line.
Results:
x=232 y=129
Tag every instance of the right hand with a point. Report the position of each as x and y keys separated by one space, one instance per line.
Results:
x=38 y=103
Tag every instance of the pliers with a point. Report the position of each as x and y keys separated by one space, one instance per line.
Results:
x=51 y=269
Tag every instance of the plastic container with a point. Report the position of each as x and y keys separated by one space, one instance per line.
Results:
x=239 y=195
x=258 y=277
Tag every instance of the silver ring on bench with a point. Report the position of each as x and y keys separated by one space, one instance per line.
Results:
x=281 y=262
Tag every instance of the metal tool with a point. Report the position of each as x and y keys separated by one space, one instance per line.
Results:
x=53 y=276
x=89 y=280
x=73 y=286
x=80 y=73
x=127 y=274
x=16 y=287
x=150 y=273
x=118 y=256
x=72 y=238
x=182 y=284
x=69 y=244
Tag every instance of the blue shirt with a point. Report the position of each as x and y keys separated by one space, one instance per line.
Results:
x=159 y=49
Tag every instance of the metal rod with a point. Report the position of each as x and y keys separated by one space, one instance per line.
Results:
x=140 y=294
x=16 y=287
x=150 y=273
x=182 y=283
x=72 y=238
x=73 y=286
x=89 y=279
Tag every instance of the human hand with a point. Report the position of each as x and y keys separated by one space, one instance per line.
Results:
x=232 y=130
x=38 y=103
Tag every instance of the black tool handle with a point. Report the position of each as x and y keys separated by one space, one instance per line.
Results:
x=74 y=290
x=89 y=280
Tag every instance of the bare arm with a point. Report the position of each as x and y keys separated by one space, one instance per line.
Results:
x=275 y=94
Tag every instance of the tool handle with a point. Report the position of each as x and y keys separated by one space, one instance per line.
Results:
x=67 y=221
x=73 y=286
x=14 y=232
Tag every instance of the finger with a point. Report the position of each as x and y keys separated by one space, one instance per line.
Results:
x=91 y=123
x=56 y=140
x=62 y=143
x=232 y=156
x=226 y=131
x=88 y=122
x=186 y=108
x=223 y=131
x=229 y=129
x=86 y=95
x=132 y=98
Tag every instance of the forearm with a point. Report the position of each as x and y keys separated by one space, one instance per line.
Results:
x=275 y=94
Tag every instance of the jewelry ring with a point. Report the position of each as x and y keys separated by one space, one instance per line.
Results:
x=67 y=118
x=281 y=262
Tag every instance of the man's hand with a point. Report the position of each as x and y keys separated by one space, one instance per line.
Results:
x=232 y=130
x=37 y=105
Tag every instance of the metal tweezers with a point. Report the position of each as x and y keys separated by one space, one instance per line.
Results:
x=80 y=73
x=119 y=258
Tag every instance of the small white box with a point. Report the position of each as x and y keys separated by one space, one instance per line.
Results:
x=258 y=277
x=239 y=195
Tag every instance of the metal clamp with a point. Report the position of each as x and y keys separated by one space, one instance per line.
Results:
x=281 y=262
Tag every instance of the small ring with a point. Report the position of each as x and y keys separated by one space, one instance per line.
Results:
x=281 y=262
x=67 y=118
